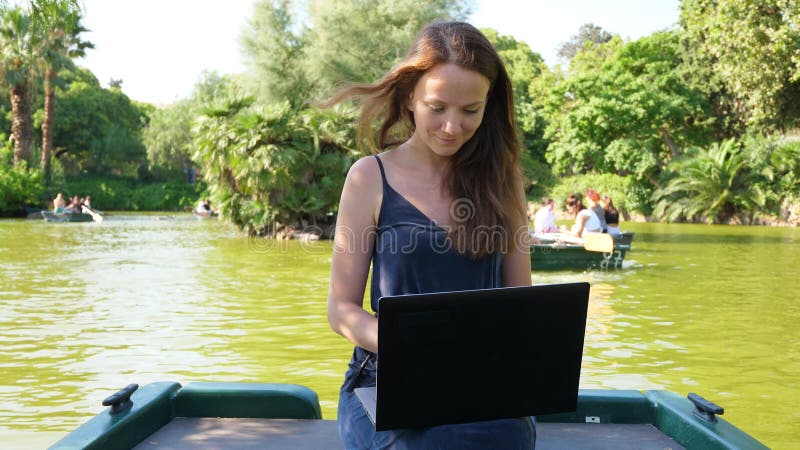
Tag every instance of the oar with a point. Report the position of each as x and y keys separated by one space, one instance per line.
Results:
x=598 y=242
x=95 y=215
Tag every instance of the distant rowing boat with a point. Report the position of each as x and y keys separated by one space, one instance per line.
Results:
x=204 y=214
x=50 y=216
x=555 y=251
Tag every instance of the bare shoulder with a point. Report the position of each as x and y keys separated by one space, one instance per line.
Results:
x=362 y=193
x=364 y=173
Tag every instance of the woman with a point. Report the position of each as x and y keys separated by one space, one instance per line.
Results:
x=611 y=215
x=545 y=221
x=449 y=173
x=585 y=219
x=593 y=203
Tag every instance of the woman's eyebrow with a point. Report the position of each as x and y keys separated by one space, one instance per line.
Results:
x=438 y=100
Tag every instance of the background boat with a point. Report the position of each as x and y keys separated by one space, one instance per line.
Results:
x=204 y=214
x=50 y=216
x=625 y=237
x=555 y=251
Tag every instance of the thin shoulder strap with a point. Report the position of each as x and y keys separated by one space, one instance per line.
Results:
x=383 y=174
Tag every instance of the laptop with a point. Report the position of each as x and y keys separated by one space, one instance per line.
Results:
x=468 y=356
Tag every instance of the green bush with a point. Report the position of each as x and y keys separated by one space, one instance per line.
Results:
x=620 y=189
x=128 y=194
x=19 y=186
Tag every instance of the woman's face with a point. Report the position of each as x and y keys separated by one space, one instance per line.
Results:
x=448 y=104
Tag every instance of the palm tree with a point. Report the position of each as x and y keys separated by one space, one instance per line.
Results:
x=712 y=185
x=60 y=29
x=17 y=70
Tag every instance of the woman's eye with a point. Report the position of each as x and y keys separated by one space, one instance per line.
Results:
x=471 y=111
x=436 y=108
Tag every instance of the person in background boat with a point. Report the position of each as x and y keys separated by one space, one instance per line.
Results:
x=612 y=216
x=593 y=202
x=585 y=219
x=74 y=206
x=449 y=170
x=545 y=221
x=87 y=202
x=204 y=207
x=59 y=203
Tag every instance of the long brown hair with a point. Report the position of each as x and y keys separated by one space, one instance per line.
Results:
x=574 y=200
x=483 y=176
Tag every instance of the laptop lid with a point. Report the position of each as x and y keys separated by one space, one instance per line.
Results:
x=467 y=356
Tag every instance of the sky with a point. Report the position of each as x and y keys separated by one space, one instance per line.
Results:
x=159 y=48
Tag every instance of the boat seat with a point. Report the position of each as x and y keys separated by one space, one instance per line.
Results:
x=215 y=433
x=199 y=433
x=594 y=436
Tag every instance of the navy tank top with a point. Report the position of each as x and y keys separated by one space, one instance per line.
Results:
x=413 y=255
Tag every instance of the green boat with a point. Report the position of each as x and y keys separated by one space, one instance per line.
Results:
x=625 y=237
x=287 y=416
x=566 y=256
x=50 y=216
x=563 y=251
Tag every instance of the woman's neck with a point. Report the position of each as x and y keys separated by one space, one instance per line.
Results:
x=420 y=157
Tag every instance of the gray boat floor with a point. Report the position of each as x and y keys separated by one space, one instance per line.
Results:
x=266 y=434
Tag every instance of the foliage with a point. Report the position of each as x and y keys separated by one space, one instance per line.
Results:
x=524 y=66
x=59 y=25
x=129 y=194
x=275 y=53
x=586 y=33
x=20 y=185
x=784 y=169
x=778 y=160
x=359 y=41
x=18 y=64
x=168 y=137
x=617 y=187
x=270 y=165
x=713 y=185
x=98 y=130
x=345 y=41
x=626 y=111
x=755 y=47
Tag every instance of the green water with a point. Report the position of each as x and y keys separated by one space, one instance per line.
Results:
x=89 y=308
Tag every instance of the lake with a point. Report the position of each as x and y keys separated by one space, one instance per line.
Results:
x=89 y=308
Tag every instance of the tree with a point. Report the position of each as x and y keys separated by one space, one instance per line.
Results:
x=168 y=137
x=344 y=40
x=626 y=111
x=275 y=53
x=712 y=185
x=269 y=166
x=99 y=130
x=754 y=46
x=586 y=33
x=524 y=68
x=18 y=45
x=60 y=28
x=359 y=41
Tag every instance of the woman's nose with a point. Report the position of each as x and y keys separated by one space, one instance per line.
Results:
x=451 y=125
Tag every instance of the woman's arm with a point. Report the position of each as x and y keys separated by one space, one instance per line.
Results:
x=580 y=223
x=353 y=242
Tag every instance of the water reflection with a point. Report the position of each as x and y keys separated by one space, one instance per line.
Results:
x=89 y=308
